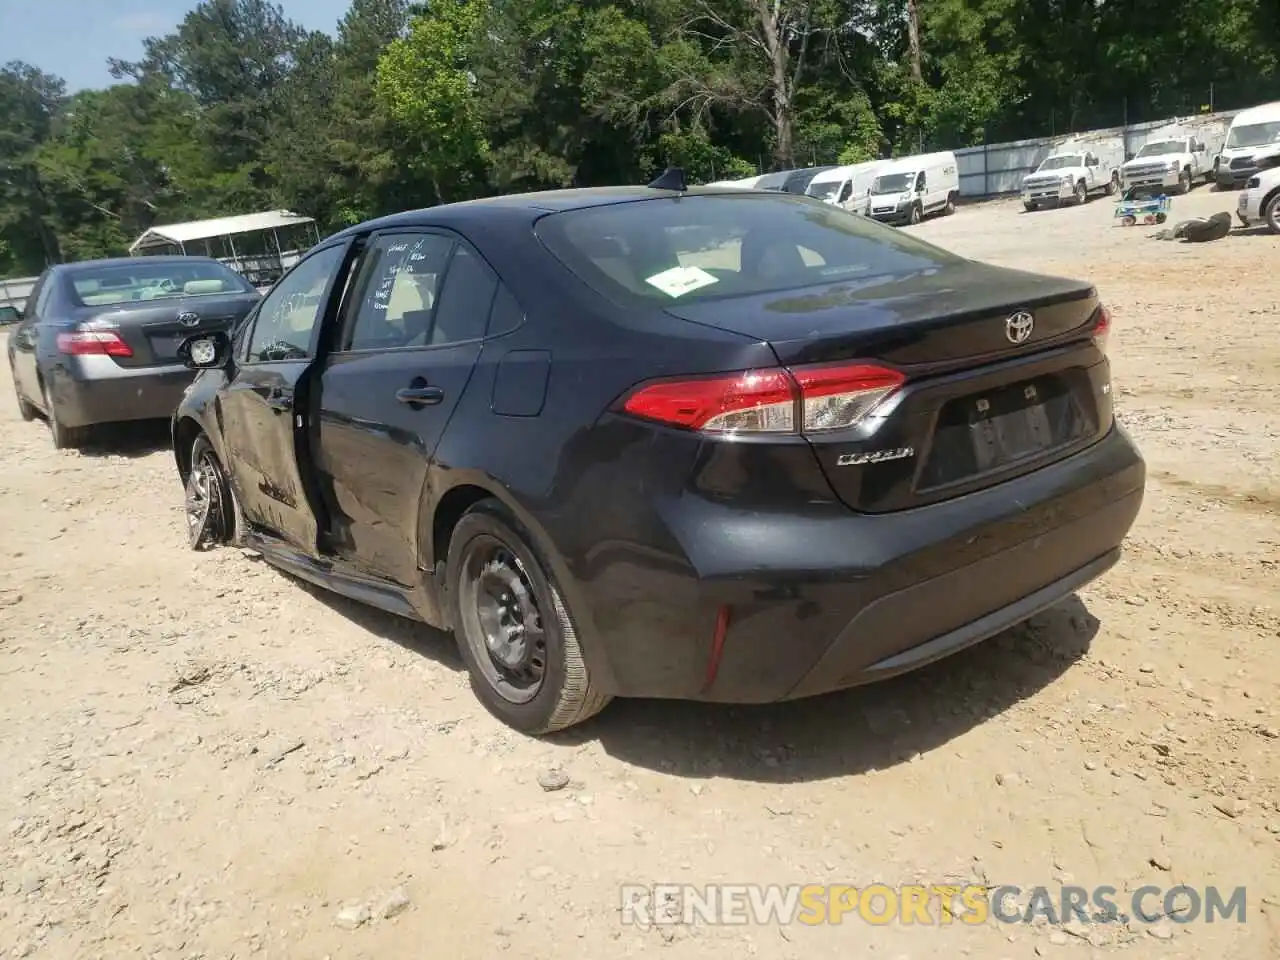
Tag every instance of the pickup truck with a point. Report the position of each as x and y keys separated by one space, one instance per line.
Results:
x=1167 y=165
x=1068 y=176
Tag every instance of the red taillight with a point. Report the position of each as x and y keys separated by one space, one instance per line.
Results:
x=806 y=399
x=755 y=401
x=1102 y=328
x=85 y=342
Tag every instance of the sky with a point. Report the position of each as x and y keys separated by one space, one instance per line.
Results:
x=73 y=38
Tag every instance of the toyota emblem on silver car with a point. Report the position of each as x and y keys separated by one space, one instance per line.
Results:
x=1018 y=327
x=188 y=319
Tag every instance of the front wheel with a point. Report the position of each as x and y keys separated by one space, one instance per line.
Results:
x=213 y=515
x=1184 y=182
x=1271 y=213
x=1030 y=207
x=1082 y=194
x=915 y=216
x=1113 y=185
x=515 y=632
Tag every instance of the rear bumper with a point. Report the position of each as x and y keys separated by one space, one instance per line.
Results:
x=832 y=599
x=97 y=390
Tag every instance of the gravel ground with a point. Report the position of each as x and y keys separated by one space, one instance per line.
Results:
x=205 y=758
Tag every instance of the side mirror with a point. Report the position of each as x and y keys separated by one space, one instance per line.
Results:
x=206 y=351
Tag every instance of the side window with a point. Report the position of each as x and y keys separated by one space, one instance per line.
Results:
x=846 y=191
x=466 y=299
x=41 y=295
x=506 y=314
x=288 y=316
x=920 y=182
x=399 y=287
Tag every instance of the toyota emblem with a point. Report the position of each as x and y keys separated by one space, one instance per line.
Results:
x=1019 y=326
x=188 y=319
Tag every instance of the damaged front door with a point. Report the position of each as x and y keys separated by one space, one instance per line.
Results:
x=263 y=405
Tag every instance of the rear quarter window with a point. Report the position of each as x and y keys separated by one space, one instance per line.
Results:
x=698 y=248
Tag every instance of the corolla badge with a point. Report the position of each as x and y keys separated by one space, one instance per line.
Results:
x=874 y=456
x=1018 y=327
x=189 y=319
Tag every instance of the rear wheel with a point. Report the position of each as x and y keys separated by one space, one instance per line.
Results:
x=950 y=208
x=64 y=437
x=514 y=630
x=213 y=515
x=25 y=409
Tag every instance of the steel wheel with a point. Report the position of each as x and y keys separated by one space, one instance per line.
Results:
x=504 y=621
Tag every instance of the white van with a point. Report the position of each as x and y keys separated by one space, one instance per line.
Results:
x=1250 y=130
x=846 y=187
x=746 y=183
x=910 y=189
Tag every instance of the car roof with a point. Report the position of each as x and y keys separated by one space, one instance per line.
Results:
x=527 y=207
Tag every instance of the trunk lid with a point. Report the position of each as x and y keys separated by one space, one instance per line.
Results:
x=977 y=408
x=154 y=329
x=953 y=315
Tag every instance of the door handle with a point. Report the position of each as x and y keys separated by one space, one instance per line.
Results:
x=420 y=396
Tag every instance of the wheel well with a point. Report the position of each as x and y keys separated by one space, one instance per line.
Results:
x=184 y=437
x=448 y=512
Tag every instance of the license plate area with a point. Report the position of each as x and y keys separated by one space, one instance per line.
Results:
x=1009 y=426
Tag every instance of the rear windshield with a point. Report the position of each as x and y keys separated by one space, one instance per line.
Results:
x=711 y=247
x=129 y=282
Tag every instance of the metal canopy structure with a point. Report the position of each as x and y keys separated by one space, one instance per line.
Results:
x=180 y=234
x=261 y=256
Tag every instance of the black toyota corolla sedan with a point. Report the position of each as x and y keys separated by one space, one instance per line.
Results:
x=708 y=444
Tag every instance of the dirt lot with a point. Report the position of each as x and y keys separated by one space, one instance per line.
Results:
x=204 y=758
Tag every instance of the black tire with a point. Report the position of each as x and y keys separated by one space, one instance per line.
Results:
x=1184 y=182
x=64 y=437
x=496 y=576
x=950 y=208
x=212 y=513
x=25 y=408
x=1113 y=185
x=1082 y=194
x=916 y=215
x=1271 y=213
x=1030 y=207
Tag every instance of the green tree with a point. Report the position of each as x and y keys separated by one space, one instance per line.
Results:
x=425 y=85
